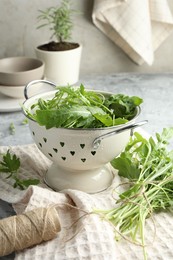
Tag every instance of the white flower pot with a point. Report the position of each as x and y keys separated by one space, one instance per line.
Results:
x=61 y=67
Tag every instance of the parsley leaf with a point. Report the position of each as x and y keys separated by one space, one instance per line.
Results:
x=10 y=164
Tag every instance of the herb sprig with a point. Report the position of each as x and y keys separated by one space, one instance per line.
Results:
x=10 y=165
x=12 y=128
x=148 y=165
x=59 y=20
x=78 y=108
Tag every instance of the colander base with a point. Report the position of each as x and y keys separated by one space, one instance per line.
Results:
x=90 y=181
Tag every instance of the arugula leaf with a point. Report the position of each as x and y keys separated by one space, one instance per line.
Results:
x=148 y=164
x=73 y=107
x=105 y=119
x=167 y=134
x=125 y=168
x=12 y=129
x=136 y=100
x=123 y=106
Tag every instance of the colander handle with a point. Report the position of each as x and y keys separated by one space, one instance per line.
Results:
x=36 y=82
x=97 y=140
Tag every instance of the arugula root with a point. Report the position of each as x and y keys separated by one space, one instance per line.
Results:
x=148 y=165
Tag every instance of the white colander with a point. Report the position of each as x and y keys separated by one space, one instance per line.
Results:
x=80 y=156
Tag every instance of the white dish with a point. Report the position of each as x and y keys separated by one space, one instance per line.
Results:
x=17 y=92
x=8 y=104
x=13 y=92
x=11 y=101
x=20 y=70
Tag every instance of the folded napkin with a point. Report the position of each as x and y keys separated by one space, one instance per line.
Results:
x=137 y=27
x=90 y=238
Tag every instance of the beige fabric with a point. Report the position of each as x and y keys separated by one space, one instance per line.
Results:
x=95 y=238
x=137 y=27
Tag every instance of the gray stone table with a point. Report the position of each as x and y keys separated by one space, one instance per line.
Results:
x=155 y=89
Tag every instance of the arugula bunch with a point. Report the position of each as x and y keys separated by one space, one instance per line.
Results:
x=148 y=165
x=10 y=165
x=77 y=108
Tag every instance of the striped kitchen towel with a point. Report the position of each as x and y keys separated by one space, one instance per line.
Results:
x=137 y=27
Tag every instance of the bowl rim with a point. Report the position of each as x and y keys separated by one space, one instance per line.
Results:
x=35 y=97
x=12 y=86
x=15 y=86
x=42 y=64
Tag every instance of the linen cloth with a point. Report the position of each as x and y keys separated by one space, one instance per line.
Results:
x=89 y=238
x=137 y=27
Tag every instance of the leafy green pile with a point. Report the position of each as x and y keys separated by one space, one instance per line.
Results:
x=148 y=165
x=10 y=165
x=78 y=108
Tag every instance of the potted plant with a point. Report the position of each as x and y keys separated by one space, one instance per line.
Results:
x=61 y=57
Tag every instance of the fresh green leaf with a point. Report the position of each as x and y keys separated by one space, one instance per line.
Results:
x=12 y=129
x=23 y=184
x=59 y=20
x=137 y=101
x=125 y=168
x=105 y=119
x=10 y=164
x=73 y=107
x=148 y=164
x=25 y=121
x=123 y=106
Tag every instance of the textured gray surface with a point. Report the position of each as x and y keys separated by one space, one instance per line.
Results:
x=155 y=89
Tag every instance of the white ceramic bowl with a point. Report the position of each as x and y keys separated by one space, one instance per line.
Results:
x=80 y=156
x=18 y=91
x=13 y=91
x=19 y=71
